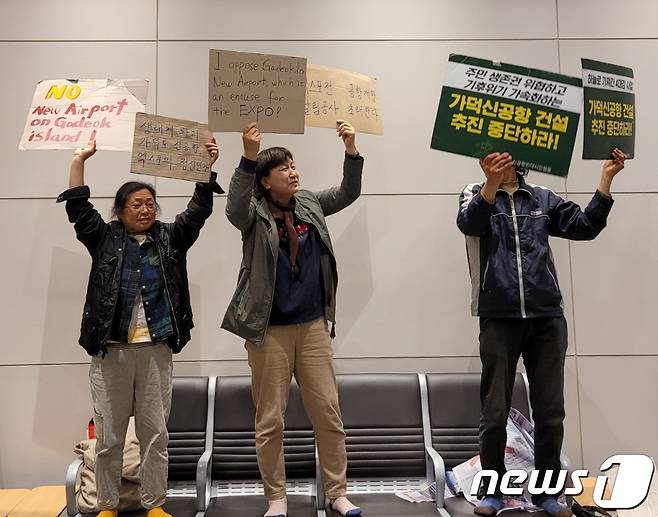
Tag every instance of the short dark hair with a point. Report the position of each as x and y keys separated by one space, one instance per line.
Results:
x=124 y=192
x=266 y=160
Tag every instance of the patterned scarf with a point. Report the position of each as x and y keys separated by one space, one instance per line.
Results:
x=286 y=213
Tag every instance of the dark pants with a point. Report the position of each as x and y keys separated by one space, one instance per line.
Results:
x=543 y=344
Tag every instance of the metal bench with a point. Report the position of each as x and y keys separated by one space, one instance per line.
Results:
x=236 y=486
x=189 y=452
x=451 y=408
x=383 y=423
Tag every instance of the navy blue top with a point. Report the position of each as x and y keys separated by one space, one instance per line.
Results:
x=298 y=294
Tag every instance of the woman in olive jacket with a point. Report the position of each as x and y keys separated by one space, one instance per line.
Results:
x=284 y=302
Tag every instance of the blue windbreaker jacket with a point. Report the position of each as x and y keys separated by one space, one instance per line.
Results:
x=510 y=261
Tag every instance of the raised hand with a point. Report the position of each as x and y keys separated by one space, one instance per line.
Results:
x=495 y=167
x=85 y=152
x=251 y=141
x=213 y=150
x=347 y=132
x=77 y=169
x=609 y=170
x=615 y=164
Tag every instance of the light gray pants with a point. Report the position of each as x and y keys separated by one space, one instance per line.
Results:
x=132 y=379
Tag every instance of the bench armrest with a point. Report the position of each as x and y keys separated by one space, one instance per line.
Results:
x=436 y=474
x=319 y=486
x=203 y=477
x=72 y=474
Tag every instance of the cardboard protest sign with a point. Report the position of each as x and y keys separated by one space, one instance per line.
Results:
x=171 y=148
x=246 y=87
x=609 y=109
x=487 y=106
x=66 y=114
x=333 y=94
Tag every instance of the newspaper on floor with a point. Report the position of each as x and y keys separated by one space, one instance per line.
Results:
x=519 y=455
x=423 y=494
x=426 y=493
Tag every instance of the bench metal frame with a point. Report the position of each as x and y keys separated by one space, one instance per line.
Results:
x=200 y=488
x=435 y=464
x=204 y=488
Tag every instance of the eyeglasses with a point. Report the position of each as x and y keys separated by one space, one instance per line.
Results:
x=150 y=206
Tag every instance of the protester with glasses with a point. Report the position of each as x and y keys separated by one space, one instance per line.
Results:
x=136 y=314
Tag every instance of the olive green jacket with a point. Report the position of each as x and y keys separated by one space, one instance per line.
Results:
x=249 y=311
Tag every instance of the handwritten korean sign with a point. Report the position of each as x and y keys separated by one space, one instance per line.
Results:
x=170 y=148
x=333 y=94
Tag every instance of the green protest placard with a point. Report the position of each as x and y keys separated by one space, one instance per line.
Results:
x=609 y=114
x=487 y=106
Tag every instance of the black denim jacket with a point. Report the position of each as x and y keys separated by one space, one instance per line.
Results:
x=106 y=243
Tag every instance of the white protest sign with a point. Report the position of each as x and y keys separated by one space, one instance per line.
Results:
x=66 y=114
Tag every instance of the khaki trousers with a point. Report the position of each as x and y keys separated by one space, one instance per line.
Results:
x=305 y=351
x=132 y=379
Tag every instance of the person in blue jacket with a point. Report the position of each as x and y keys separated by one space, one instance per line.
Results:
x=515 y=293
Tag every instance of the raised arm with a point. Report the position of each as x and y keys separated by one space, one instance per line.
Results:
x=567 y=220
x=77 y=169
x=334 y=199
x=187 y=225
x=477 y=202
x=88 y=223
x=240 y=208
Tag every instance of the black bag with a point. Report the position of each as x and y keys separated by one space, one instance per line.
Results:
x=587 y=511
